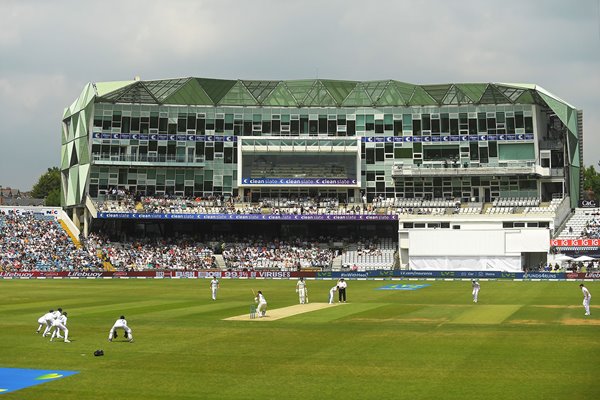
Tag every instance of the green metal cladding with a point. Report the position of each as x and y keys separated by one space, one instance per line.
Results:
x=314 y=93
x=75 y=161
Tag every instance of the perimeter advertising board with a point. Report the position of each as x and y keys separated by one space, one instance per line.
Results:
x=383 y=274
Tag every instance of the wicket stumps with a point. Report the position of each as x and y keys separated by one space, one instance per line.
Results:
x=252 y=311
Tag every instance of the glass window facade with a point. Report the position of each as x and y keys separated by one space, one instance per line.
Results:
x=183 y=137
x=193 y=151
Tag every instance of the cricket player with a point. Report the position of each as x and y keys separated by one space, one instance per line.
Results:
x=122 y=324
x=214 y=286
x=49 y=321
x=60 y=324
x=332 y=294
x=476 y=288
x=261 y=308
x=302 y=291
x=587 y=296
x=45 y=320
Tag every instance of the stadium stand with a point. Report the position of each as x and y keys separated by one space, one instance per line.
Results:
x=290 y=255
x=584 y=223
x=371 y=255
x=430 y=163
x=38 y=242
x=183 y=253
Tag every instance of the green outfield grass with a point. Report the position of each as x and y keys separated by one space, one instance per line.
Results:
x=523 y=340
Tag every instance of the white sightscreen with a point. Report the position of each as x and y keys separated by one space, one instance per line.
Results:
x=449 y=242
x=470 y=263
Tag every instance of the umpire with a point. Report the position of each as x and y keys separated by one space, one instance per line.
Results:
x=342 y=290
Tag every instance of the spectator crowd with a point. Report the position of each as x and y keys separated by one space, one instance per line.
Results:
x=278 y=254
x=592 y=227
x=120 y=201
x=36 y=242
x=155 y=253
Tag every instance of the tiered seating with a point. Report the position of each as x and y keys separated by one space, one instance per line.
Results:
x=471 y=208
x=376 y=255
x=550 y=208
x=174 y=205
x=38 y=242
x=290 y=255
x=516 y=202
x=511 y=205
x=500 y=210
x=181 y=253
x=582 y=223
x=415 y=206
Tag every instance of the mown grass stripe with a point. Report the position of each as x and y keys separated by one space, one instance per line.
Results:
x=191 y=309
x=485 y=314
x=333 y=313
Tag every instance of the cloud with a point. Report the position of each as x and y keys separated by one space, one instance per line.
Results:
x=50 y=50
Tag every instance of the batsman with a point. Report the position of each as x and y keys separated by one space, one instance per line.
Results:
x=302 y=291
x=261 y=308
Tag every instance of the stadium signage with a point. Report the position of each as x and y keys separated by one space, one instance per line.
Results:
x=575 y=242
x=273 y=274
x=588 y=203
x=251 y=217
x=386 y=274
x=446 y=138
x=583 y=275
x=351 y=275
x=28 y=210
x=157 y=137
x=209 y=274
x=540 y=275
x=298 y=181
x=184 y=274
x=79 y=274
x=17 y=274
x=415 y=274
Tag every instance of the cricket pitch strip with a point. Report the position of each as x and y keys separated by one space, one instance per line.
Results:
x=279 y=313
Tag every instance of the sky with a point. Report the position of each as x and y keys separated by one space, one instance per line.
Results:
x=49 y=50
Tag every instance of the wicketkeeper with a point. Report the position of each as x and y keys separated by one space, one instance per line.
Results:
x=121 y=323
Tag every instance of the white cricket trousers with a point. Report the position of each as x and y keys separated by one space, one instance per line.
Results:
x=261 y=309
x=59 y=327
x=124 y=327
x=586 y=305
x=302 y=296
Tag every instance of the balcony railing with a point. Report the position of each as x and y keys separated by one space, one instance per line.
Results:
x=147 y=159
x=472 y=169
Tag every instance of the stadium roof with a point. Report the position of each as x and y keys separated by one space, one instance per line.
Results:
x=319 y=93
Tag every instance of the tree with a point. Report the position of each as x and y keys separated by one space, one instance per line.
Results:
x=48 y=187
x=53 y=198
x=591 y=182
